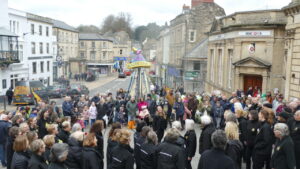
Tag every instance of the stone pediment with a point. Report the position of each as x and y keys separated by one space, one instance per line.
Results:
x=252 y=62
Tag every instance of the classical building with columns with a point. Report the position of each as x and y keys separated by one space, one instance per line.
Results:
x=246 y=49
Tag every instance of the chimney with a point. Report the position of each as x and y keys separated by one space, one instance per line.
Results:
x=185 y=8
x=197 y=2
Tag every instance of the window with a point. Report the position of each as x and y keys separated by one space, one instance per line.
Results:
x=104 y=45
x=42 y=66
x=220 y=66
x=93 y=55
x=4 y=85
x=81 y=44
x=48 y=66
x=192 y=36
x=40 y=30
x=32 y=29
x=230 y=55
x=14 y=26
x=212 y=60
x=17 y=27
x=81 y=54
x=33 y=47
x=47 y=48
x=41 y=48
x=47 y=31
x=121 y=51
x=10 y=27
x=197 y=66
x=104 y=55
x=93 y=44
x=34 y=67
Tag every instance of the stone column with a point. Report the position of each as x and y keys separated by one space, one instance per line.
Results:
x=236 y=79
x=264 y=82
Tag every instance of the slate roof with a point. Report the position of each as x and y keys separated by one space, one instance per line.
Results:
x=200 y=50
x=93 y=36
x=63 y=25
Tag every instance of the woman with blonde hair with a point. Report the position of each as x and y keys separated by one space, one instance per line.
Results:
x=21 y=156
x=92 y=159
x=122 y=155
x=160 y=123
x=234 y=147
x=112 y=141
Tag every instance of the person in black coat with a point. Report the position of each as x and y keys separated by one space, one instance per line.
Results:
x=283 y=156
x=263 y=141
x=112 y=142
x=64 y=133
x=58 y=155
x=41 y=123
x=91 y=157
x=21 y=156
x=190 y=142
x=9 y=94
x=101 y=110
x=216 y=157
x=251 y=132
x=138 y=143
x=205 y=137
x=122 y=154
x=97 y=128
x=295 y=134
x=169 y=154
x=148 y=149
x=159 y=123
x=234 y=148
x=75 y=151
x=37 y=160
x=4 y=130
x=13 y=133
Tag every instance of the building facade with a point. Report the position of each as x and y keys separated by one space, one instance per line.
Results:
x=67 y=49
x=98 y=52
x=187 y=31
x=246 y=49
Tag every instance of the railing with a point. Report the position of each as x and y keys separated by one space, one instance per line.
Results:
x=8 y=57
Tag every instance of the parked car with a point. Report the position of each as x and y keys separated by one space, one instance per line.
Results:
x=122 y=75
x=30 y=92
x=77 y=89
x=127 y=73
x=57 y=91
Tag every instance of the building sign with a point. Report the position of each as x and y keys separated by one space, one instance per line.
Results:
x=251 y=48
x=191 y=74
x=255 y=33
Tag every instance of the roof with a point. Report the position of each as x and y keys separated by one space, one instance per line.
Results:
x=93 y=36
x=259 y=62
x=63 y=25
x=199 y=51
x=6 y=32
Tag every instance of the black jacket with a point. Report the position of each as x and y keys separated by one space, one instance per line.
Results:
x=295 y=134
x=42 y=131
x=110 y=146
x=91 y=159
x=47 y=154
x=159 y=123
x=137 y=149
x=57 y=165
x=215 y=159
x=101 y=111
x=148 y=156
x=234 y=150
x=74 y=160
x=264 y=140
x=205 y=138
x=63 y=136
x=122 y=157
x=100 y=144
x=4 y=126
x=170 y=156
x=37 y=162
x=9 y=151
x=251 y=132
x=284 y=154
x=242 y=128
x=191 y=143
x=20 y=160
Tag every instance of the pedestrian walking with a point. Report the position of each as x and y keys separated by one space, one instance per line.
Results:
x=9 y=95
x=190 y=142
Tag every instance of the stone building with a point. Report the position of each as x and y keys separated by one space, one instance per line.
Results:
x=292 y=50
x=98 y=52
x=187 y=31
x=246 y=49
x=67 y=49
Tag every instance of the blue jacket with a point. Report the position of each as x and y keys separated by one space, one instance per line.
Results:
x=4 y=126
x=179 y=107
x=67 y=108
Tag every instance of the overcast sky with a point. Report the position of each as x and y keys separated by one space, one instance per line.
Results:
x=76 y=12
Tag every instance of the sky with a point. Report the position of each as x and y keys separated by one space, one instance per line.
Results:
x=92 y=12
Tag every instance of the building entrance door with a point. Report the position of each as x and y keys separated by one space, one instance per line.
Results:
x=252 y=81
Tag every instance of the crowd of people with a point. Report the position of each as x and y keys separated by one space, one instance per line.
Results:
x=260 y=131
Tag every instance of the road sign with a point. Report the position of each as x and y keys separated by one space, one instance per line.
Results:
x=190 y=74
